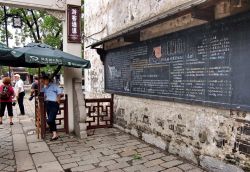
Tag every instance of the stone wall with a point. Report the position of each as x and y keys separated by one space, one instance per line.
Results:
x=211 y=137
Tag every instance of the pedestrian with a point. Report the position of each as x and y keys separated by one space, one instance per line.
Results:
x=19 y=88
x=6 y=96
x=52 y=97
x=34 y=88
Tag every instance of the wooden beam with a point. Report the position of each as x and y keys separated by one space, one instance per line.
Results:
x=206 y=14
x=132 y=37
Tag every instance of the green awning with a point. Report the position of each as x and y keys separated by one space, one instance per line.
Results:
x=36 y=53
x=7 y=59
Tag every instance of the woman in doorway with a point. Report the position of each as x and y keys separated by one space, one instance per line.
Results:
x=6 y=96
x=52 y=95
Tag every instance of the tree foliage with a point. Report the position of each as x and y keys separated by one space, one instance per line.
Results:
x=38 y=26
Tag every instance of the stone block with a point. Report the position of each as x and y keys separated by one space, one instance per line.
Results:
x=155 y=156
x=174 y=169
x=169 y=158
x=17 y=129
x=42 y=158
x=215 y=165
x=153 y=169
x=128 y=153
x=154 y=163
x=118 y=170
x=171 y=164
x=144 y=149
x=70 y=160
x=152 y=139
x=64 y=157
x=82 y=168
x=89 y=161
x=139 y=161
x=38 y=147
x=186 y=167
x=19 y=142
x=134 y=168
x=9 y=168
x=64 y=153
x=118 y=166
x=33 y=138
x=2 y=166
x=124 y=159
x=70 y=165
x=110 y=157
x=50 y=167
x=100 y=169
x=107 y=163
x=146 y=153
x=24 y=161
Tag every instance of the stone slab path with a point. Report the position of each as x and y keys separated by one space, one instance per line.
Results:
x=20 y=149
x=105 y=150
x=115 y=151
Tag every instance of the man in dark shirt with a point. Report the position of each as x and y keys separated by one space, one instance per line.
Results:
x=34 y=88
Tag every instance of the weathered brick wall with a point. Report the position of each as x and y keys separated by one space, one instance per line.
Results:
x=204 y=135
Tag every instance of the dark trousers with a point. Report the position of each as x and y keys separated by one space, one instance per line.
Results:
x=52 y=110
x=9 y=108
x=20 y=102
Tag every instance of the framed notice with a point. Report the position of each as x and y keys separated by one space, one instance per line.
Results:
x=74 y=23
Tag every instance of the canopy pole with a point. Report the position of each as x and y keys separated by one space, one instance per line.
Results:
x=56 y=72
x=39 y=78
x=6 y=26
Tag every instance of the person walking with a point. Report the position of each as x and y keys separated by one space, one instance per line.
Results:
x=19 y=88
x=52 y=97
x=6 y=96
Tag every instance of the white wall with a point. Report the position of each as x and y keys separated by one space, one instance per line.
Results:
x=70 y=73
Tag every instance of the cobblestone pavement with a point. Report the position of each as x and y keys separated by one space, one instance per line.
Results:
x=106 y=150
x=7 y=158
x=10 y=135
x=115 y=151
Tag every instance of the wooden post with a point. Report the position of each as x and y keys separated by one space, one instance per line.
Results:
x=112 y=110
x=66 y=119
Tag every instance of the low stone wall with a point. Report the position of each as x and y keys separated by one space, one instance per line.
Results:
x=204 y=135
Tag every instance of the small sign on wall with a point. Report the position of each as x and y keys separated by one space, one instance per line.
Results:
x=74 y=24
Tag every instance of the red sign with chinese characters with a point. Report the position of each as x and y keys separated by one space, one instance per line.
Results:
x=74 y=24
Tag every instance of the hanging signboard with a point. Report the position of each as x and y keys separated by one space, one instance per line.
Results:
x=74 y=24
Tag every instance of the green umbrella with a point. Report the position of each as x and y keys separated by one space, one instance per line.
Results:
x=7 y=59
x=37 y=53
x=4 y=49
x=5 y=54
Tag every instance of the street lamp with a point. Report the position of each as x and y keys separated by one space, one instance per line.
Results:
x=17 y=22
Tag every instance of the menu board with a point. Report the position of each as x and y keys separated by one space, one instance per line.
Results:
x=208 y=64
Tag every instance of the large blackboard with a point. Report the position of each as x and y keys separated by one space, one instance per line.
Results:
x=208 y=64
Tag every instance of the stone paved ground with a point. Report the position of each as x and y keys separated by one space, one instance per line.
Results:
x=7 y=159
x=115 y=151
x=106 y=150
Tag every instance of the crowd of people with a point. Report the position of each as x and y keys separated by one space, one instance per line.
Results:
x=10 y=94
